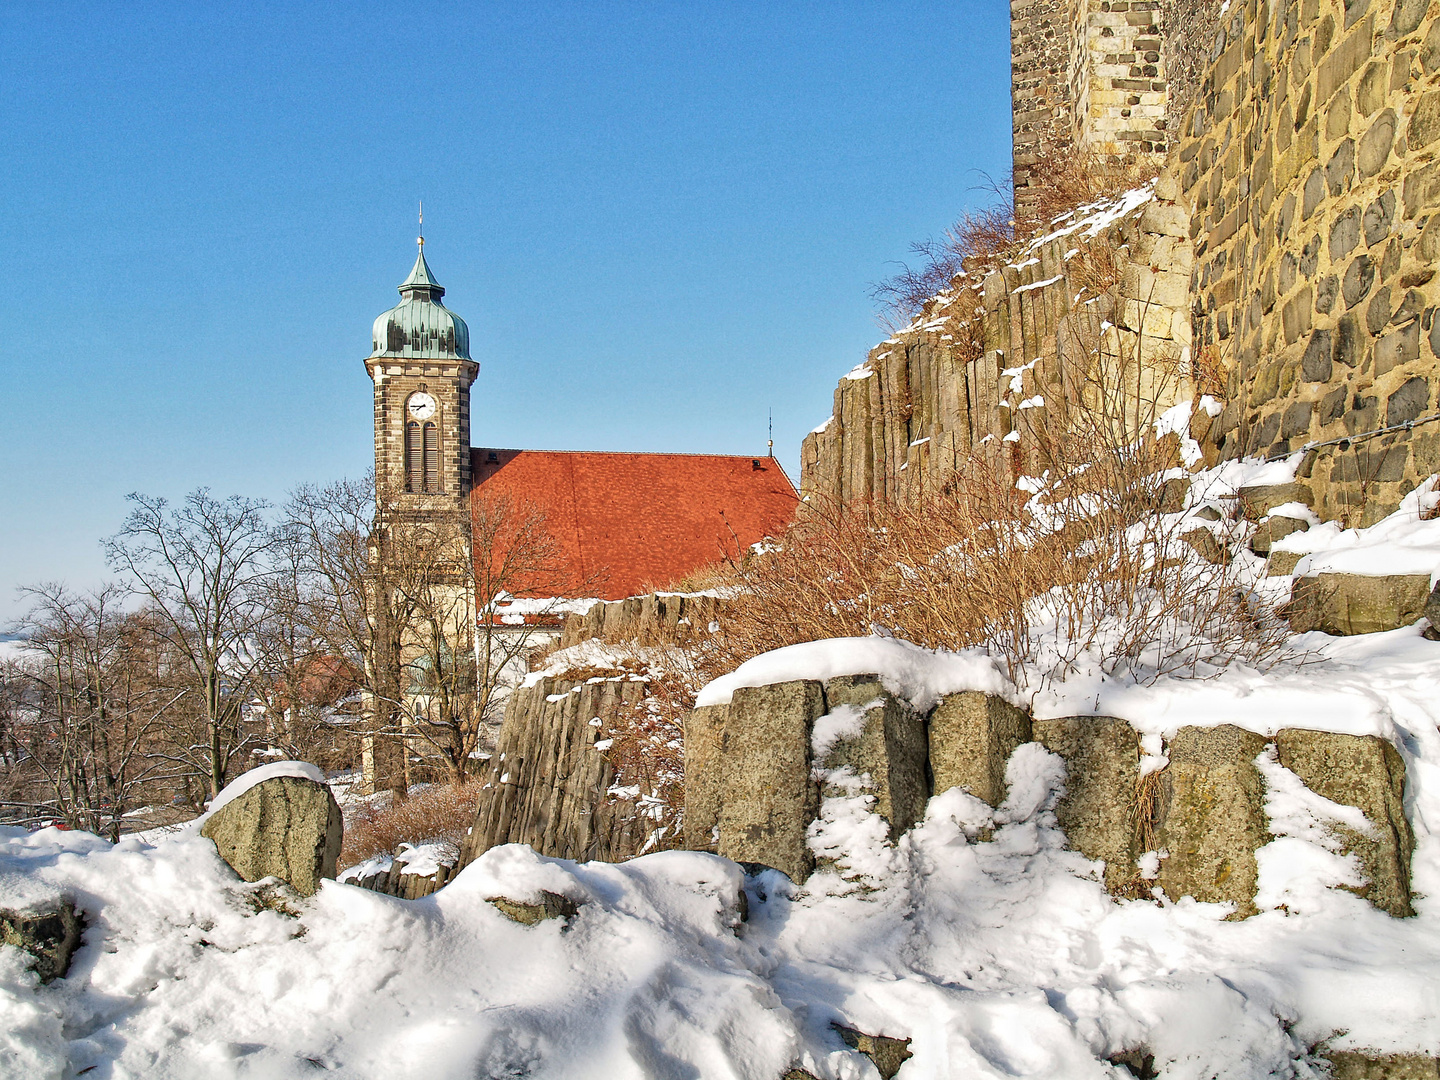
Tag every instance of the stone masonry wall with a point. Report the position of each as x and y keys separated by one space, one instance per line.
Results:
x=1309 y=162
x=1040 y=92
x=1286 y=266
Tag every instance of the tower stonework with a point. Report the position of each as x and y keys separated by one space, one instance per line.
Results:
x=422 y=372
x=1106 y=78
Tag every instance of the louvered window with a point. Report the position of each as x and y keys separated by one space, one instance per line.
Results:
x=412 y=456
x=432 y=458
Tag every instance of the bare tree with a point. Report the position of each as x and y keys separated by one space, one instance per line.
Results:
x=415 y=601
x=93 y=704
x=332 y=543
x=200 y=566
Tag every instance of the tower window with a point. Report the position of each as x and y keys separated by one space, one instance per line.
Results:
x=412 y=456
x=432 y=458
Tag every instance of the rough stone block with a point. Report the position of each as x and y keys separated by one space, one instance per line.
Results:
x=1348 y=604
x=1365 y=1065
x=892 y=750
x=1256 y=502
x=1102 y=763
x=286 y=827
x=704 y=732
x=50 y=933
x=972 y=736
x=1409 y=401
x=1213 y=817
x=1367 y=773
x=1275 y=528
x=767 y=797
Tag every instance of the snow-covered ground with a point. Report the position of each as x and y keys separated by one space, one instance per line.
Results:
x=977 y=936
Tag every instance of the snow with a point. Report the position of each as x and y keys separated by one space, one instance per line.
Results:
x=858 y=372
x=1402 y=543
x=245 y=781
x=917 y=675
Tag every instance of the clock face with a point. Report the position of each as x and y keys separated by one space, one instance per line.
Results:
x=421 y=406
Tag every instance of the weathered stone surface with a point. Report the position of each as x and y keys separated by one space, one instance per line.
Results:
x=892 y=750
x=1367 y=773
x=704 y=732
x=1204 y=543
x=972 y=736
x=1365 y=1065
x=886 y=1053
x=546 y=783
x=50 y=933
x=551 y=906
x=1346 y=604
x=1273 y=528
x=1281 y=563
x=768 y=798
x=1102 y=763
x=286 y=827
x=1258 y=501
x=1213 y=817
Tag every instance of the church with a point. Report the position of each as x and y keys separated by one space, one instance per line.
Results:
x=622 y=523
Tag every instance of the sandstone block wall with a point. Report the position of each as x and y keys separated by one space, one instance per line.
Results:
x=1308 y=160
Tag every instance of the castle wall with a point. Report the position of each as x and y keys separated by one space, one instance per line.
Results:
x=1286 y=265
x=1309 y=160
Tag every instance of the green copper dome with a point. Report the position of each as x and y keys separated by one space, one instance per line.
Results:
x=421 y=326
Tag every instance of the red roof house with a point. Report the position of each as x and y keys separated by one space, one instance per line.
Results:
x=624 y=523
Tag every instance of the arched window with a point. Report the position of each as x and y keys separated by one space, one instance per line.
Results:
x=412 y=456
x=432 y=458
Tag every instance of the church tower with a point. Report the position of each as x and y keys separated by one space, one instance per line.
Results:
x=422 y=372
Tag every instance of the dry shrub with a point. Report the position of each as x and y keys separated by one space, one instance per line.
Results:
x=1090 y=569
x=985 y=239
x=438 y=813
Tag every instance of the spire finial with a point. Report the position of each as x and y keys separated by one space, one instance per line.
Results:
x=421 y=238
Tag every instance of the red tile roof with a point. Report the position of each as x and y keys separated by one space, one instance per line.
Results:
x=628 y=522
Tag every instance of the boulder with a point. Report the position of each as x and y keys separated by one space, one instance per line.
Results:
x=1282 y=563
x=767 y=797
x=1102 y=767
x=551 y=906
x=1273 y=528
x=49 y=932
x=287 y=827
x=1212 y=817
x=886 y=1053
x=890 y=751
x=1368 y=773
x=972 y=736
x=1346 y=604
x=1205 y=544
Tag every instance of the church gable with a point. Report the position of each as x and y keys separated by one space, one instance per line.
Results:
x=627 y=522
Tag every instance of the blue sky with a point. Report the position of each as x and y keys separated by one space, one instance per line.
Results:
x=659 y=220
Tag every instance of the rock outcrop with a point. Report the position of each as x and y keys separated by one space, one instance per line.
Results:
x=547 y=784
x=287 y=827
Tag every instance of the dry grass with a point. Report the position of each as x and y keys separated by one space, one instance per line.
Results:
x=439 y=813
